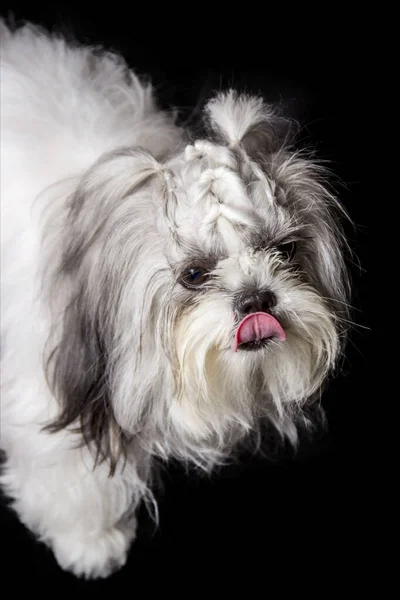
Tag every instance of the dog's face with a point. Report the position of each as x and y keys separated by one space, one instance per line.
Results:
x=255 y=274
x=217 y=279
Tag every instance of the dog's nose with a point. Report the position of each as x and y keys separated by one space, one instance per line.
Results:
x=252 y=302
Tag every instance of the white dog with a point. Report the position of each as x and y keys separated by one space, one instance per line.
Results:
x=162 y=295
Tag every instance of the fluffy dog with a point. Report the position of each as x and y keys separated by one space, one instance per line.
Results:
x=163 y=296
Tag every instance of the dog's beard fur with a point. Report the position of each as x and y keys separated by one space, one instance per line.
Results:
x=140 y=364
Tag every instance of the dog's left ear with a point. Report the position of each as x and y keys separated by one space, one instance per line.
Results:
x=247 y=121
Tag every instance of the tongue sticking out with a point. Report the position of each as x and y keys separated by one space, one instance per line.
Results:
x=255 y=327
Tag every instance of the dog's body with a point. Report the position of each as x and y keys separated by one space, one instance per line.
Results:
x=153 y=300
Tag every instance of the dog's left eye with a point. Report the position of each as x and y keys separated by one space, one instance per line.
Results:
x=194 y=277
x=288 y=250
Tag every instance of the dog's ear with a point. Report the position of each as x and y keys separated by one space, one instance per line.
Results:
x=78 y=374
x=247 y=121
x=86 y=280
x=86 y=294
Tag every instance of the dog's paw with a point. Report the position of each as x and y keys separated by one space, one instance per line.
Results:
x=93 y=557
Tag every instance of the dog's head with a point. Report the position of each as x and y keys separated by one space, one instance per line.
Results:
x=206 y=290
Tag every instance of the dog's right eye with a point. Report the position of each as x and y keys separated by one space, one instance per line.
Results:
x=194 y=277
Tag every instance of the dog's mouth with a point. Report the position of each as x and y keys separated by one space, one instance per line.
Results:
x=256 y=345
x=256 y=331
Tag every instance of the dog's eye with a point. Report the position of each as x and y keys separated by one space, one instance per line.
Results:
x=288 y=250
x=194 y=277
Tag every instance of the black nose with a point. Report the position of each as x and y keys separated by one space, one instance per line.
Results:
x=256 y=301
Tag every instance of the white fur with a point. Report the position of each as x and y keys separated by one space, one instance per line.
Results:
x=103 y=204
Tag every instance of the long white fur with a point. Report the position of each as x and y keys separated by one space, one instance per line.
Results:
x=177 y=389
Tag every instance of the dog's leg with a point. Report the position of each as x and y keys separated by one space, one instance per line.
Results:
x=83 y=514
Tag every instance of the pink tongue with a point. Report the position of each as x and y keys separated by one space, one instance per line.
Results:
x=257 y=326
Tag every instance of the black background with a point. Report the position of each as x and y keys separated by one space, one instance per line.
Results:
x=298 y=519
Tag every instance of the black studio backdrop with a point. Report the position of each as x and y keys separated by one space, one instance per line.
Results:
x=254 y=516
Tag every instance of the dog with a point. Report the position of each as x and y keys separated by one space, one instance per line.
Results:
x=164 y=295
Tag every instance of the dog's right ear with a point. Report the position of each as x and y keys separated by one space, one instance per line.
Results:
x=85 y=287
x=247 y=121
x=78 y=374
